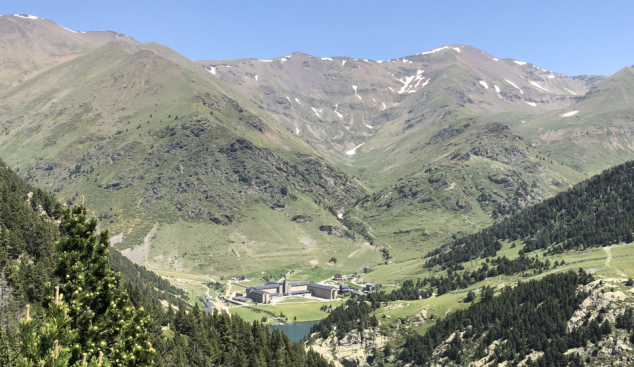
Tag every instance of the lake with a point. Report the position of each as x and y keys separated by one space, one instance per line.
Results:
x=295 y=331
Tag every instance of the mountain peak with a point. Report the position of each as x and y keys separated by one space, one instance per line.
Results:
x=26 y=16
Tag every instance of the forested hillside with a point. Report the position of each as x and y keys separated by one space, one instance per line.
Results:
x=563 y=319
x=595 y=212
x=95 y=310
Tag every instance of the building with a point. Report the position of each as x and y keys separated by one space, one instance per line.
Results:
x=338 y=277
x=271 y=290
x=370 y=288
x=209 y=305
x=344 y=288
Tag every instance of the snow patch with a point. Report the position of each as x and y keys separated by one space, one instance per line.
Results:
x=531 y=103
x=369 y=127
x=495 y=59
x=439 y=49
x=26 y=16
x=497 y=89
x=358 y=96
x=484 y=84
x=283 y=59
x=297 y=100
x=390 y=88
x=316 y=112
x=297 y=131
x=256 y=78
x=266 y=60
x=353 y=151
x=538 y=86
x=343 y=62
x=383 y=106
x=327 y=58
x=520 y=62
x=513 y=84
x=571 y=113
x=570 y=91
x=355 y=89
x=379 y=62
x=408 y=79
x=70 y=30
x=212 y=70
x=551 y=76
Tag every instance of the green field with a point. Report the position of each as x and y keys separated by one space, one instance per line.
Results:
x=304 y=310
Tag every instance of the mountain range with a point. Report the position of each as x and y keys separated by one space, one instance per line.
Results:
x=247 y=166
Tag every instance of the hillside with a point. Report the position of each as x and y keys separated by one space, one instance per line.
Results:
x=592 y=134
x=186 y=177
x=427 y=132
x=30 y=45
x=550 y=285
x=35 y=228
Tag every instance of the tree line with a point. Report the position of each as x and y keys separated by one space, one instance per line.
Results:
x=596 y=212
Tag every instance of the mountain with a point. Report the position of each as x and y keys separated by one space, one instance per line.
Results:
x=595 y=132
x=427 y=132
x=244 y=166
x=30 y=45
x=340 y=100
x=187 y=174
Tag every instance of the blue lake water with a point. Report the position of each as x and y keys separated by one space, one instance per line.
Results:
x=295 y=331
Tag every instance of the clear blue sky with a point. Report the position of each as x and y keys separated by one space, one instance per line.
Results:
x=571 y=37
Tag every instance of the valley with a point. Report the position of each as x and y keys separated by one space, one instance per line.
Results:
x=464 y=185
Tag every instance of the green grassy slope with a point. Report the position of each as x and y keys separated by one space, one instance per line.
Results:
x=157 y=149
x=599 y=135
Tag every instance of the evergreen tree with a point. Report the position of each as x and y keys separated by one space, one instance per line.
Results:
x=99 y=309
x=50 y=343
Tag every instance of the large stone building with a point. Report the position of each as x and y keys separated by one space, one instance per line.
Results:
x=268 y=292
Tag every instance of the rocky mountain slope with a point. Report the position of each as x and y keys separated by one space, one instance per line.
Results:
x=428 y=132
x=595 y=132
x=135 y=127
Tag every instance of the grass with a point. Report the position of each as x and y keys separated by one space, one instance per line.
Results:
x=304 y=310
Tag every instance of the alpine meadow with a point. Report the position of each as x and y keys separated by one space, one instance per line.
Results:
x=449 y=207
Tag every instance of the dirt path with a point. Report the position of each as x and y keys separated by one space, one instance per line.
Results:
x=609 y=258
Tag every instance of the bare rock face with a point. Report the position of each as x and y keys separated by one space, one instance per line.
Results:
x=351 y=350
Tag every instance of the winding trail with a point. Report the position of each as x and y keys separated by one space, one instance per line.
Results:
x=609 y=258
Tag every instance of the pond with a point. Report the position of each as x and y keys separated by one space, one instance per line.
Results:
x=295 y=331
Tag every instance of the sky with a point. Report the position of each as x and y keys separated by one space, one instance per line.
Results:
x=569 y=37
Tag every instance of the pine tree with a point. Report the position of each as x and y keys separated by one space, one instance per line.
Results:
x=99 y=309
x=51 y=343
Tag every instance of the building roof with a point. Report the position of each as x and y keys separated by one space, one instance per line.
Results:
x=209 y=304
x=314 y=285
x=294 y=284
x=338 y=275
